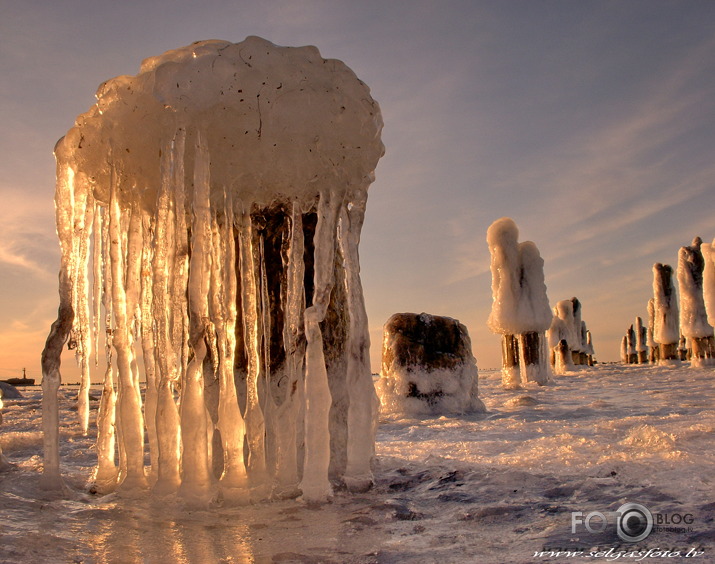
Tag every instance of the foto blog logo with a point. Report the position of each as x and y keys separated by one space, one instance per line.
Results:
x=634 y=522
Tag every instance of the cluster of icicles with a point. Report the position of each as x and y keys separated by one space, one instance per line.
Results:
x=244 y=320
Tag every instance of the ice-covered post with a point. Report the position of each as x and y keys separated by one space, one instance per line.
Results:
x=584 y=344
x=577 y=347
x=652 y=345
x=502 y=238
x=693 y=317
x=632 y=352
x=641 y=339
x=666 y=330
x=561 y=336
x=520 y=307
x=589 y=344
x=624 y=349
x=229 y=184
x=708 y=251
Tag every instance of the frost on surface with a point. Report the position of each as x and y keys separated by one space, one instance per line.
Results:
x=223 y=190
x=520 y=307
x=427 y=366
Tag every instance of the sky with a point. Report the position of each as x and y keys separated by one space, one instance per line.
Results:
x=590 y=123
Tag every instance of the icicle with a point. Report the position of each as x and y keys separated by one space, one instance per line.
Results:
x=106 y=474
x=167 y=415
x=287 y=413
x=234 y=480
x=179 y=274
x=362 y=412
x=59 y=332
x=129 y=400
x=196 y=477
x=148 y=348
x=83 y=329
x=80 y=339
x=255 y=423
x=315 y=483
x=97 y=269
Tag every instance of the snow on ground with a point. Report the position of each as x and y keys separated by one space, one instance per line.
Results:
x=499 y=487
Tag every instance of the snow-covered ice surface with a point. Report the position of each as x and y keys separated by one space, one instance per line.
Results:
x=497 y=487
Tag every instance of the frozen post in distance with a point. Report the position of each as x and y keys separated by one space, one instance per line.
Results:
x=653 y=348
x=224 y=188
x=520 y=307
x=708 y=251
x=589 y=348
x=561 y=337
x=693 y=317
x=641 y=339
x=624 y=349
x=666 y=330
x=632 y=352
x=576 y=345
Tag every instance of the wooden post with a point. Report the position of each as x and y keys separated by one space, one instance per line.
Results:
x=510 y=362
x=632 y=354
x=533 y=365
x=624 y=350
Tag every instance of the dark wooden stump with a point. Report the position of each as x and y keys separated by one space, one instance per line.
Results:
x=669 y=351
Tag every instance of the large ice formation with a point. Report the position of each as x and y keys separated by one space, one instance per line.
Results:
x=693 y=318
x=666 y=325
x=520 y=308
x=215 y=200
x=427 y=366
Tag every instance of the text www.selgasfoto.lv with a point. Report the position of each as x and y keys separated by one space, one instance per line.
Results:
x=615 y=554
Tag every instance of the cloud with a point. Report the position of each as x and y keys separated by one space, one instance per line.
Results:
x=28 y=239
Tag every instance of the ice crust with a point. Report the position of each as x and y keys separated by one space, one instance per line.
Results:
x=255 y=102
x=217 y=197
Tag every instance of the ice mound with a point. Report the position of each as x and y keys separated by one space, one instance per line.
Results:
x=427 y=366
x=217 y=199
x=520 y=307
x=649 y=437
x=521 y=401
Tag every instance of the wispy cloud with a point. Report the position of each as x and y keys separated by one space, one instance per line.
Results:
x=28 y=239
